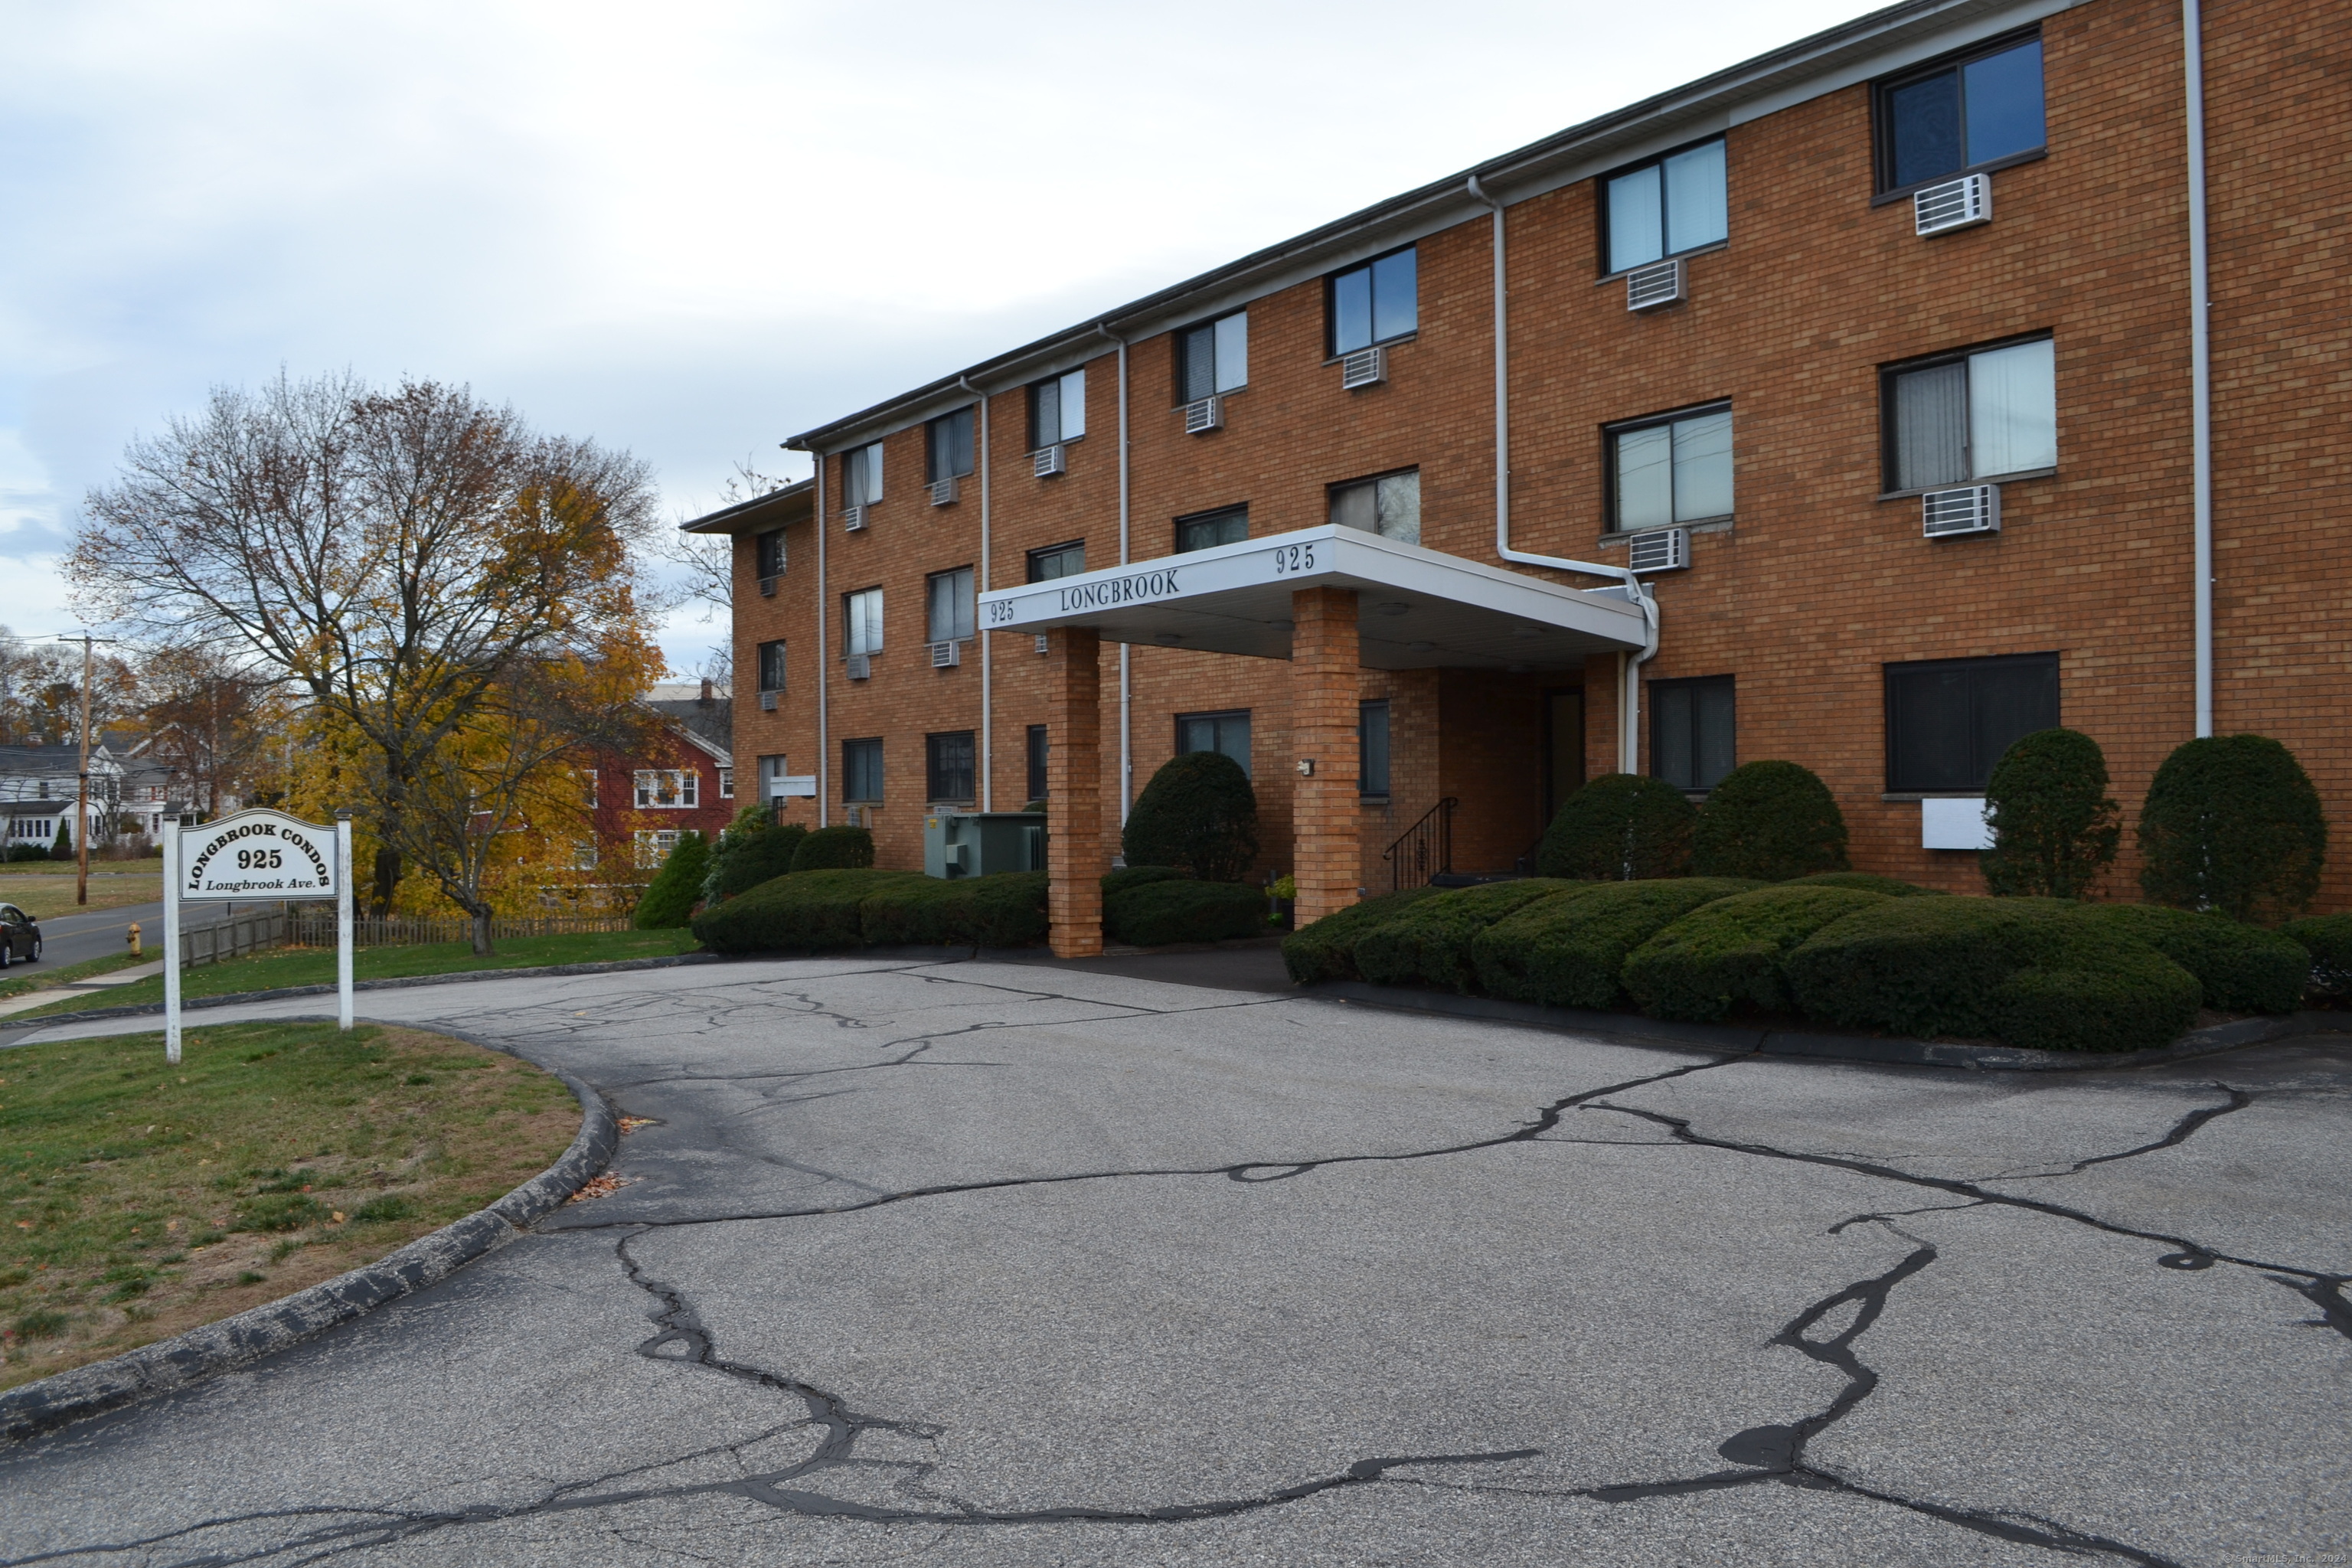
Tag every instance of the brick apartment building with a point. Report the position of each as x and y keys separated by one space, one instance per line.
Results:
x=1873 y=359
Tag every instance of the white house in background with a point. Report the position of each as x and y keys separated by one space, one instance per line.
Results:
x=39 y=786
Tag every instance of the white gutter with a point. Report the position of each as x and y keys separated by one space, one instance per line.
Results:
x=1629 y=694
x=824 y=747
x=987 y=666
x=1126 y=683
x=2200 y=379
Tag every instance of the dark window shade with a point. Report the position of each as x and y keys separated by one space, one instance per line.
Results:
x=1949 y=721
x=771 y=666
x=947 y=766
x=769 y=550
x=861 y=769
x=1038 y=743
x=1199 y=351
x=1693 y=730
x=1228 y=732
x=1375 y=303
x=947 y=447
x=1372 y=740
x=1057 y=561
x=1230 y=526
x=1954 y=117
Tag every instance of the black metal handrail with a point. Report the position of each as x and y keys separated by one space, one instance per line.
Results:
x=1430 y=839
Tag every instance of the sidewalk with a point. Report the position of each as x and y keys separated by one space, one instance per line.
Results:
x=95 y=985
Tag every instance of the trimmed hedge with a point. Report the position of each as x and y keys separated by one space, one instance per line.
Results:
x=1868 y=882
x=753 y=849
x=1121 y=879
x=2053 y=827
x=1570 y=951
x=1727 y=953
x=808 y=910
x=2240 y=968
x=1620 y=828
x=1769 y=821
x=2328 y=940
x=1158 y=913
x=668 y=899
x=1326 y=950
x=2095 y=990
x=1430 y=943
x=2232 y=823
x=1007 y=909
x=1198 y=812
x=835 y=849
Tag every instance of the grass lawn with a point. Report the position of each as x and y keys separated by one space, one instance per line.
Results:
x=142 y=1199
x=315 y=966
x=45 y=975
x=45 y=888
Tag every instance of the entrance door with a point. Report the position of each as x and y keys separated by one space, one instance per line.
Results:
x=1563 y=748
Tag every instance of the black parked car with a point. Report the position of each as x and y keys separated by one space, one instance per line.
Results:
x=20 y=936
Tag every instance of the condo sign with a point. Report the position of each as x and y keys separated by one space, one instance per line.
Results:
x=258 y=855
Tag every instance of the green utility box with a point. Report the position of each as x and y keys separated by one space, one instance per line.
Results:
x=982 y=843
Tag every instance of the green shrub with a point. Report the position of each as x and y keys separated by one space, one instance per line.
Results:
x=835 y=849
x=2328 y=940
x=1007 y=909
x=669 y=898
x=62 y=849
x=1121 y=877
x=1198 y=812
x=1867 y=882
x=2233 y=824
x=1620 y=828
x=1768 y=821
x=1570 y=951
x=2027 y=971
x=1429 y=944
x=1727 y=953
x=1327 y=949
x=2053 y=827
x=753 y=849
x=806 y=912
x=2240 y=968
x=279 y=1211
x=1158 y=913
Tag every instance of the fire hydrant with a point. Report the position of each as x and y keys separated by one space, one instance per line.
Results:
x=136 y=951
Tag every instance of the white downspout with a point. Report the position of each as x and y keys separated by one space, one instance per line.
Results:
x=1126 y=683
x=2201 y=381
x=824 y=753
x=987 y=666
x=1629 y=694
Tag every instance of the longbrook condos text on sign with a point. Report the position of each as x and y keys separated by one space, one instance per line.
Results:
x=258 y=855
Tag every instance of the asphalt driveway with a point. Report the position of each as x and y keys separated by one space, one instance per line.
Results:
x=991 y=1264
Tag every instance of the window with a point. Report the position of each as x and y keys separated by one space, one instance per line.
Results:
x=1960 y=114
x=861 y=622
x=861 y=771
x=1691 y=732
x=583 y=855
x=1972 y=416
x=1057 y=561
x=727 y=784
x=1372 y=748
x=1667 y=207
x=1388 y=505
x=1949 y=721
x=947 y=766
x=947 y=447
x=1058 y=410
x=768 y=553
x=1228 y=526
x=1669 y=470
x=1373 y=303
x=861 y=475
x=771 y=666
x=1038 y=746
x=667 y=789
x=654 y=845
x=1228 y=732
x=1212 y=357
x=948 y=609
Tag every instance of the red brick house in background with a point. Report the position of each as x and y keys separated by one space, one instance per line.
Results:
x=683 y=778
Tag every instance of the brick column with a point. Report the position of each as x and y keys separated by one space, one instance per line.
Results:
x=1074 y=859
x=1328 y=856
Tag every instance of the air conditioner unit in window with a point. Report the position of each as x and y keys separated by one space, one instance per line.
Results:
x=1365 y=367
x=767 y=587
x=861 y=666
x=1975 y=510
x=1049 y=461
x=1955 y=204
x=943 y=491
x=853 y=517
x=946 y=655
x=1659 y=550
x=1660 y=283
x=767 y=702
x=1203 y=415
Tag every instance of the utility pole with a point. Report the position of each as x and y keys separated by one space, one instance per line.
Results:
x=81 y=828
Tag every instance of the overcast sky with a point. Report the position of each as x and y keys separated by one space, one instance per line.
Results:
x=692 y=229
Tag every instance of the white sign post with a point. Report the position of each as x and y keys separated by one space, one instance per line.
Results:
x=253 y=856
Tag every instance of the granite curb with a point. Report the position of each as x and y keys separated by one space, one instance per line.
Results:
x=213 y=1348
x=1635 y=1028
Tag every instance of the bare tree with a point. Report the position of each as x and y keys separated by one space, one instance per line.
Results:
x=705 y=562
x=392 y=555
x=40 y=693
x=210 y=720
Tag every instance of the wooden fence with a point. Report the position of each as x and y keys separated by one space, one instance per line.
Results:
x=312 y=930
x=201 y=945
